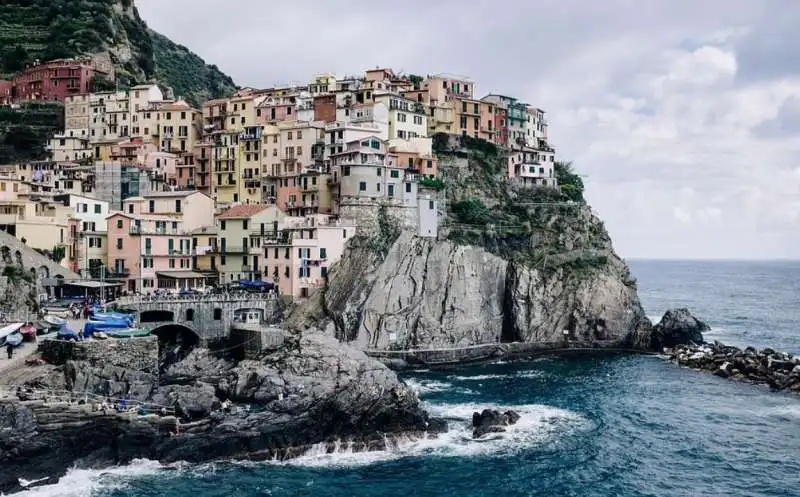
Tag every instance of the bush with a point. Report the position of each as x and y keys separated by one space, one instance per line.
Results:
x=435 y=183
x=571 y=183
x=472 y=211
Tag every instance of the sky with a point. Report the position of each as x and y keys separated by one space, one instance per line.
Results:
x=684 y=116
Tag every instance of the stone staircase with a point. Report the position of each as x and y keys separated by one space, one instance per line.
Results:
x=33 y=259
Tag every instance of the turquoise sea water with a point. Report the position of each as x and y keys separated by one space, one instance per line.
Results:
x=616 y=426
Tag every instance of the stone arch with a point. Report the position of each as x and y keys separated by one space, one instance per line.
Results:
x=5 y=252
x=189 y=315
x=44 y=272
x=175 y=342
x=18 y=257
x=156 y=316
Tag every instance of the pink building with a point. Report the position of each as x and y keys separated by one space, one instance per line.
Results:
x=5 y=92
x=123 y=251
x=276 y=108
x=54 y=80
x=152 y=241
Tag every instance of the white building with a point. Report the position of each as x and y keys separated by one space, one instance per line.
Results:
x=65 y=148
x=530 y=167
x=338 y=134
x=407 y=118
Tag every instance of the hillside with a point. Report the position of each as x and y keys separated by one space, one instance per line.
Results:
x=51 y=29
x=24 y=131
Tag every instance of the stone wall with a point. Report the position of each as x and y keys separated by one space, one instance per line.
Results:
x=136 y=354
x=32 y=259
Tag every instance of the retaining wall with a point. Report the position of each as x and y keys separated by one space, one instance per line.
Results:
x=136 y=354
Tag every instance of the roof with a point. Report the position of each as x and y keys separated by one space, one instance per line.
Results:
x=180 y=193
x=242 y=211
x=91 y=284
x=180 y=274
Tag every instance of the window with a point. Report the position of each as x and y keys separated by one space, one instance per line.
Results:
x=299 y=135
x=362 y=186
x=151 y=206
x=323 y=253
x=430 y=204
x=391 y=191
x=408 y=187
x=217 y=314
x=346 y=171
x=119 y=243
x=119 y=224
x=177 y=206
x=394 y=173
x=169 y=115
x=244 y=224
x=222 y=225
x=380 y=171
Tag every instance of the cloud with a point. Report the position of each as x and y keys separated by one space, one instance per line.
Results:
x=681 y=114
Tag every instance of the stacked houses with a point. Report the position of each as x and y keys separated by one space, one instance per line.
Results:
x=267 y=184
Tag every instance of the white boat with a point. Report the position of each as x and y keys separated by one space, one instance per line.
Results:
x=8 y=330
x=54 y=321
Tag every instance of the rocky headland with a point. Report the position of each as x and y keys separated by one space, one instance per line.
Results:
x=313 y=390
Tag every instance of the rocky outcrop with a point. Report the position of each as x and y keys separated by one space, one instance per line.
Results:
x=778 y=370
x=492 y=421
x=677 y=327
x=312 y=390
x=426 y=293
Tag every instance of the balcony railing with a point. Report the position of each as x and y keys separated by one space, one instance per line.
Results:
x=228 y=249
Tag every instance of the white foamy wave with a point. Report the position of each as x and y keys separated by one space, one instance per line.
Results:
x=86 y=482
x=486 y=377
x=428 y=386
x=538 y=424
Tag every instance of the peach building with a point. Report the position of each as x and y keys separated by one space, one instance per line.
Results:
x=150 y=241
x=297 y=257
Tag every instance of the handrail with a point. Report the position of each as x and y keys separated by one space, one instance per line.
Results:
x=71 y=396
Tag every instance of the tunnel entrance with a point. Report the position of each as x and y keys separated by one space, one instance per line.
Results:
x=175 y=342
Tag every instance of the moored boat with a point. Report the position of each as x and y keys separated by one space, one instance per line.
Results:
x=7 y=331
x=66 y=333
x=14 y=339
x=126 y=332
x=54 y=321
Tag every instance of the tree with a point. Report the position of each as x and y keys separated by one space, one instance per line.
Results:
x=570 y=182
x=15 y=59
x=100 y=83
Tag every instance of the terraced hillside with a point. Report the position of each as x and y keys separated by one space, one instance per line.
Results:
x=51 y=29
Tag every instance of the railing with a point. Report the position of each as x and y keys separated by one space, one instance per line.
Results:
x=210 y=297
x=90 y=399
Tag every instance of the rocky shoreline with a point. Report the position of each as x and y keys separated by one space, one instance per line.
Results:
x=779 y=371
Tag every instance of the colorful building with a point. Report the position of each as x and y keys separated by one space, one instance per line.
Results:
x=55 y=80
x=240 y=231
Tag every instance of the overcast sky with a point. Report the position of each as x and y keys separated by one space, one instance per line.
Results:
x=684 y=115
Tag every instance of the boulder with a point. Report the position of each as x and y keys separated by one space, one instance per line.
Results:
x=677 y=327
x=492 y=421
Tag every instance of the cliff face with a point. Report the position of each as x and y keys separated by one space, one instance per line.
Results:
x=110 y=29
x=510 y=265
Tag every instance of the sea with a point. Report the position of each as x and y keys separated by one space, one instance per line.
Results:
x=604 y=426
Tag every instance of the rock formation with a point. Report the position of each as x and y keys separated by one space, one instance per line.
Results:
x=312 y=390
x=492 y=421
x=778 y=370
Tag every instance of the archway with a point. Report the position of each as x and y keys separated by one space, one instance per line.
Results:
x=156 y=316
x=44 y=272
x=189 y=314
x=175 y=342
x=5 y=252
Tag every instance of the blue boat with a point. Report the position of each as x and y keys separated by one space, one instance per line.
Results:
x=66 y=333
x=14 y=339
x=91 y=326
x=112 y=316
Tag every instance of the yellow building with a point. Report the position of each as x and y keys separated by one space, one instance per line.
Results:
x=179 y=130
x=239 y=254
x=204 y=243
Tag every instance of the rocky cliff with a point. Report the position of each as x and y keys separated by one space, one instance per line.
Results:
x=510 y=265
x=313 y=390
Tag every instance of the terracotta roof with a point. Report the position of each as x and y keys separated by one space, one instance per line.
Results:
x=242 y=211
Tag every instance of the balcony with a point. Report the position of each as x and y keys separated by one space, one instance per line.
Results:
x=118 y=272
x=276 y=238
x=252 y=183
x=228 y=249
x=309 y=188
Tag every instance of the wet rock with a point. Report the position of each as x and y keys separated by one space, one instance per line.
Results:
x=777 y=370
x=492 y=421
x=677 y=327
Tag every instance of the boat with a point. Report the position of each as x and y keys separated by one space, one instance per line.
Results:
x=126 y=332
x=66 y=333
x=54 y=321
x=112 y=316
x=14 y=339
x=91 y=326
x=6 y=331
x=99 y=335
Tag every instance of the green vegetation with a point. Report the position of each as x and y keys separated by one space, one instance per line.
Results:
x=187 y=73
x=43 y=30
x=435 y=183
x=24 y=131
x=544 y=227
x=17 y=274
x=570 y=183
x=381 y=241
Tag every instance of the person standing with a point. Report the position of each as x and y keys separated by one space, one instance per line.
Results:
x=10 y=350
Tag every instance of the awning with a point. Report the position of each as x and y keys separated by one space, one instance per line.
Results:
x=91 y=284
x=181 y=275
